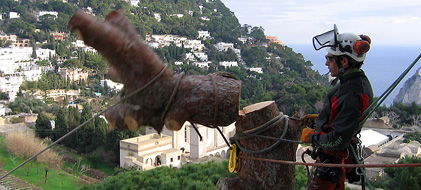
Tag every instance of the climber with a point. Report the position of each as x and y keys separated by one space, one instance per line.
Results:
x=334 y=130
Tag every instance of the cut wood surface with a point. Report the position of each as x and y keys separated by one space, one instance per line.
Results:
x=255 y=173
x=210 y=100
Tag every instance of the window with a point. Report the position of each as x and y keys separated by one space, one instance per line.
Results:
x=171 y=159
x=178 y=157
x=185 y=134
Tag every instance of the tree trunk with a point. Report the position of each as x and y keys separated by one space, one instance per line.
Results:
x=211 y=100
x=265 y=175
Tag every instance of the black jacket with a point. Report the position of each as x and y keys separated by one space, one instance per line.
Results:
x=338 y=121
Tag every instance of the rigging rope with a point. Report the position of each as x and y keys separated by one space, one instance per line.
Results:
x=334 y=165
x=255 y=131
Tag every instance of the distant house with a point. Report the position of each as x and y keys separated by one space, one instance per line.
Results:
x=274 y=39
x=21 y=43
x=222 y=46
x=58 y=36
x=13 y=15
x=111 y=84
x=382 y=122
x=149 y=151
x=58 y=94
x=228 y=63
x=157 y=17
x=256 y=69
x=203 y=65
x=197 y=56
x=173 y=147
x=52 y=13
x=203 y=34
x=73 y=74
x=370 y=137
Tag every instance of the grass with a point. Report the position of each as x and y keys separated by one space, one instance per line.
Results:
x=57 y=179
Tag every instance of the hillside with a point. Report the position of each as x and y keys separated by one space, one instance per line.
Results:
x=286 y=78
x=410 y=92
x=191 y=36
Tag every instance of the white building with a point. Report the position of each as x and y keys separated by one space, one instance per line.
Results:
x=13 y=15
x=205 y=18
x=53 y=13
x=134 y=2
x=195 y=45
x=152 y=149
x=79 y=44
x=168 y=39
x=228 y=63
x=222 y=46
x=203 y=34
x=177 y=15
x=256 y=69
x=197 y=56
x=14 y=58
x=370 y=137
x=112 y=84
x=203 y=65
x=34 y=74
x=157 y=17
x=10 y=84
x=149 y=151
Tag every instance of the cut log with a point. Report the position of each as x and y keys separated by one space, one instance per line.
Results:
x=207 y=100
x=265 y=175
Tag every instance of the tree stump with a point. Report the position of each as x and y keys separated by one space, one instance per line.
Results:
x=264 y=175
x=172 y=99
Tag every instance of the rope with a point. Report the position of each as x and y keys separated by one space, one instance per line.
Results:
x=86 y=122
x=334 y=165
x=215 y=90
x=174 y=92
x=197 y=130
x=253 y=132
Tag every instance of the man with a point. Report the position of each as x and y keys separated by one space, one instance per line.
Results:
x=333 y=131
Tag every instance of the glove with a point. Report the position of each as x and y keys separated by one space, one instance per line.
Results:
x=305 y=137
x=308 y=120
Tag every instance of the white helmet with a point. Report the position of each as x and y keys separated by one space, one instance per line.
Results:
x=349 y=44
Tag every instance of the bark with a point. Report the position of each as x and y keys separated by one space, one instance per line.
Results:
x=265 y=175
x=208 y=100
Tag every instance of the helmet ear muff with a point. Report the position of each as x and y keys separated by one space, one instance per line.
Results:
x=361 y=47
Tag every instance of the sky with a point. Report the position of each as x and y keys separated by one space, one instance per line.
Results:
x=388 y=22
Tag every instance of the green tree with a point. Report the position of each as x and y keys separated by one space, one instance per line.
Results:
x=4 y=96
x=85 y=134
x=43 y=126
x=404 y=178
x=412 y=137
x=61 y=124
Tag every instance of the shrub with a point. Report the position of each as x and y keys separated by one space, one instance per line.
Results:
x=26 y=146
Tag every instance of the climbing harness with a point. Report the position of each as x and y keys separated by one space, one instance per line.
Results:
x=234 y=164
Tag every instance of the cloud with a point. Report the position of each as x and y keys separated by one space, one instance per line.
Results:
x=297 y=21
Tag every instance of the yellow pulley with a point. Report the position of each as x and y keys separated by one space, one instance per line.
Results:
x=234 y=161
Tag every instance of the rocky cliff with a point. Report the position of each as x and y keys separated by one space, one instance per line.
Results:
x=411 y=91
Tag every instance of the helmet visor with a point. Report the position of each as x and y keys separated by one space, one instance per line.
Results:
x=327 y=39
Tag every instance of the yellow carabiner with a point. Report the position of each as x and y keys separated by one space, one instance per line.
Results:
x=234 y=161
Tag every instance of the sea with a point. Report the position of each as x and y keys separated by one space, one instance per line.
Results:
x=383 y=65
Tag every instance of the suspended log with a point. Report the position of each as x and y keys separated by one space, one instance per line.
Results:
x=264 y=175
x=172 y=99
